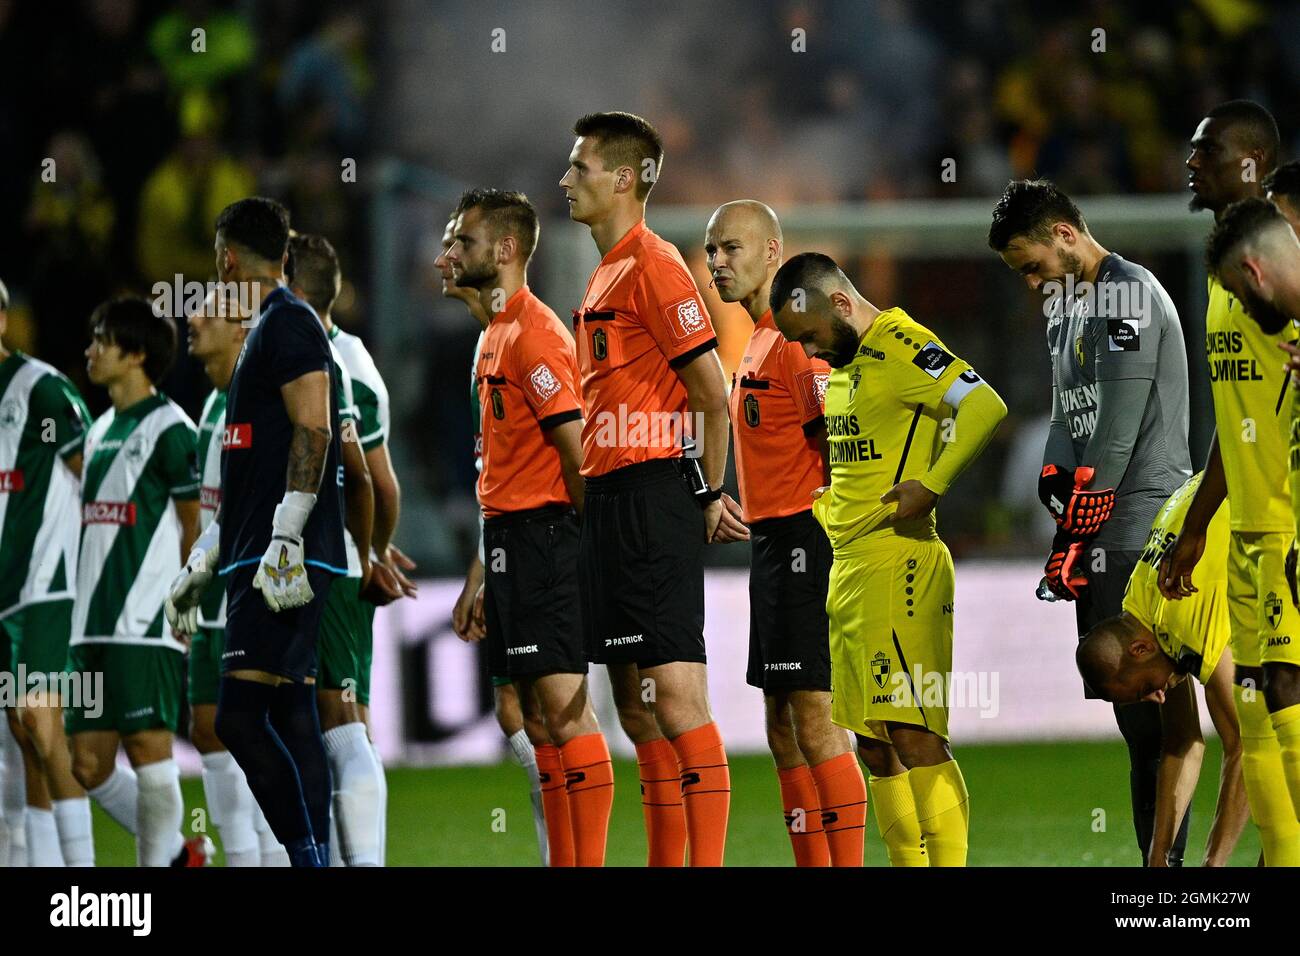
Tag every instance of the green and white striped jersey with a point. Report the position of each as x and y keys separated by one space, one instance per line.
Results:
x=368 y=388
x=136 y=461
x=347 y=409
x=212 y=427
x=42 y=423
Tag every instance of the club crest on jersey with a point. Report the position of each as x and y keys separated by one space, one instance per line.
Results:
x=136 y=449
x=237 y=435
x=932 y=360
x=1078 y=350
x=498 y=404
x=751 y=410
x=686 y=318
x=1273 y=608
x=854 y=380
x=108 y=512
x=880 y=668
x=545 y=385
x=599 y=344
x=12 y=413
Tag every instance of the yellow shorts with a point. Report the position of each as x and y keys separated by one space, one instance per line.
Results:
x=1265 y=622
x=890 y=603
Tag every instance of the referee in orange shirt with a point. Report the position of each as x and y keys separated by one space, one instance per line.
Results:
x=529 y=489
x=649 y=364
x=780 y=436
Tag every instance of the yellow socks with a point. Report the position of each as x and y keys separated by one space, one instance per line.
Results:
x=896 y=818
x=943 y=811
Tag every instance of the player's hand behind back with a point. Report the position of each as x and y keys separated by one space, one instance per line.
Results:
x=1175 y=579
x=379 y=586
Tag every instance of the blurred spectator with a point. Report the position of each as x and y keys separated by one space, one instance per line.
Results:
x=324 y=81
x=182 y=198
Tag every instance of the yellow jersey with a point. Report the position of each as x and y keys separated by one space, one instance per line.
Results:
x=1193 y=630
x=1250 y=398
x=885 y=423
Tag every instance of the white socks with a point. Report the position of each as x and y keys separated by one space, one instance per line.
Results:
x=273 y=854
x=119 y=797
x=383 y=807
x=527 y=757
x=13 y=799
x=76 y=835
x=161 y=813
x=358 y=782
x=42 y=838
x=231 y=807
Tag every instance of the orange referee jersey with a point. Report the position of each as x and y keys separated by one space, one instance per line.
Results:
x=778 y=392
x=640 y=318
x=527 y=380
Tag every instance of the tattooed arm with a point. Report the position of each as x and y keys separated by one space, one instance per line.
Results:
x=307 y=402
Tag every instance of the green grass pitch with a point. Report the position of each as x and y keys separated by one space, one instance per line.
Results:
x=1031 y=805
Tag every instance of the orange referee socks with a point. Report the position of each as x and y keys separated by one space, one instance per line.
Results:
x=706 y=792
x=555 y=805
x=661 y=803
x=589 y=777
x=803 y=817
x=843 y=795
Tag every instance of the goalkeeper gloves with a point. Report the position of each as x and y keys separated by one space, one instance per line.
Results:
x=182 y=604
x=1076 y=511
x=282 y=574
x=1063 y=573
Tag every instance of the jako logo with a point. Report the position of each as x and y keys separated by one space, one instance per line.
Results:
x=73 y=909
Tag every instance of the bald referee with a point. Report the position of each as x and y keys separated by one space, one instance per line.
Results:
x=780 y=442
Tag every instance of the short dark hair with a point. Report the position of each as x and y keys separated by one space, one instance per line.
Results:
x=1029 y=208
x=258 y=224
x=313 y=266
x=1239 y=222
x=507 y=213
x=130 y=323
x=808 y=270
x=1254 y=125
x=1284 y=181
x=625 y=139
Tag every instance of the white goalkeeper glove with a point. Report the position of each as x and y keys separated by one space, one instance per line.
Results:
x=187 y=590
x=282 y=576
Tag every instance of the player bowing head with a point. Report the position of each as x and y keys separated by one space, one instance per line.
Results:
x=893 y=385
x=1254 y=253
x=815 y=305
x=1040 y=233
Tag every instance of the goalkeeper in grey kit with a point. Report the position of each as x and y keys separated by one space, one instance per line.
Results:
x=1117 y=447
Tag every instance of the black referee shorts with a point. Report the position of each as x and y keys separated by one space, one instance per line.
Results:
x=531 y=603
x=789 y=633
x=277 y=642
x=1104 y=595
x=641 y=559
